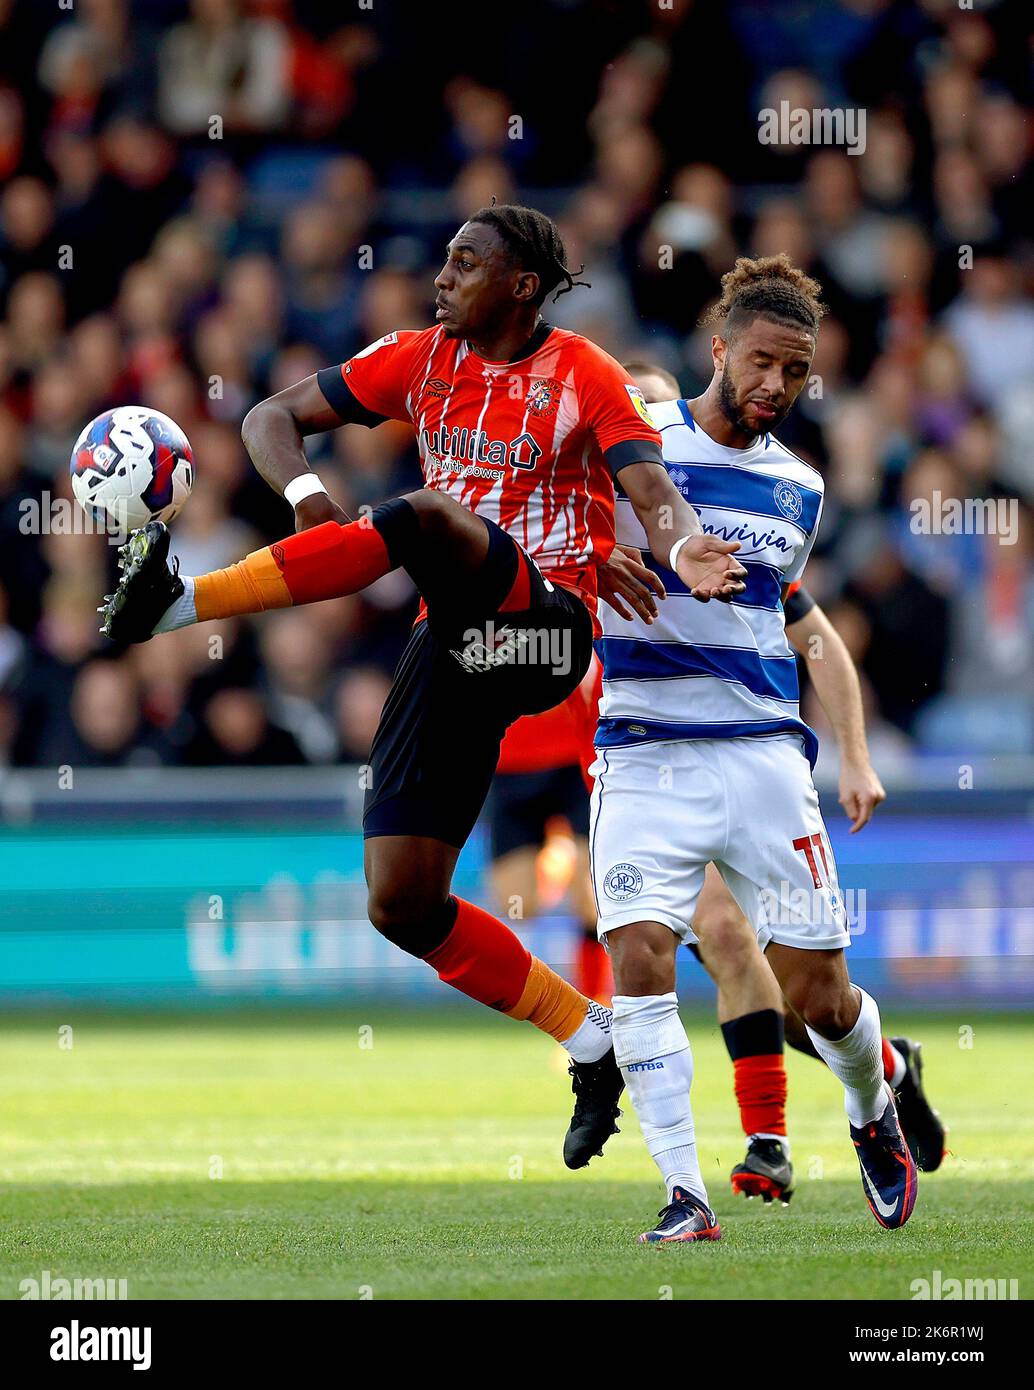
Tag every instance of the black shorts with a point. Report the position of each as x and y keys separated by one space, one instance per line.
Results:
x=467 y=673
x=521 y=803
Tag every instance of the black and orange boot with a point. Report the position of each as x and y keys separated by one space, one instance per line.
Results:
x=766 y=1172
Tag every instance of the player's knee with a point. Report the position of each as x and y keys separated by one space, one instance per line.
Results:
x=406 y=913
x=824 y=1006
x=437 y=513
x=643 y=960
x=727 y=943
x=388 y=910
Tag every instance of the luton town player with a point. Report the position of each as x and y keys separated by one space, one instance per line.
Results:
x=703 y=757
x=521 y=428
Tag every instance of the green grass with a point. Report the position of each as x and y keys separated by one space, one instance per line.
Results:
x=427 y=1165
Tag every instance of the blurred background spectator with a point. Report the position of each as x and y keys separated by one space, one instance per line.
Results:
x=203 y=202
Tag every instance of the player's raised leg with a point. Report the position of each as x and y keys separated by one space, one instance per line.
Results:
x=327 y=561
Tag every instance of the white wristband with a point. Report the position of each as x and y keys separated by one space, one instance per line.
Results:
x=673 y=553
x=302 y=486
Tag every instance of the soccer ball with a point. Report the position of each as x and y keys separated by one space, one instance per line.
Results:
x=132 y=465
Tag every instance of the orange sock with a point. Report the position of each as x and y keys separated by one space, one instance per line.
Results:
x=592 y=973
x=251 y=586
x=891 y=1059
x=482 y=958
x=761 y=1093
x=550 y=1003
x=326 y=562
x=755 y=1045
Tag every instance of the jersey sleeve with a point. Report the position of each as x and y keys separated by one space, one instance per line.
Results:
x=614 y=410
x=374 y=385
x=797 y=604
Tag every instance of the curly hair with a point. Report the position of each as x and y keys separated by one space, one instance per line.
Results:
x=771 y=286
x=535 y=243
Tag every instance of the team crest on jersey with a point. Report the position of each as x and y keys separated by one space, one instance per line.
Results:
x=386 y=341
x=544 y=396
x=788 y=499
x=639 y=401
x=622 y=882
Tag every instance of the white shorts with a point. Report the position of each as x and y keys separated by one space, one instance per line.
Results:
x=662 y=812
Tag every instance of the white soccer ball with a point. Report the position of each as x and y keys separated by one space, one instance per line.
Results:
x=132 y=465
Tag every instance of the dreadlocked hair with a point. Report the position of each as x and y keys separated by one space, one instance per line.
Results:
x=771 y=286
x=534 y=241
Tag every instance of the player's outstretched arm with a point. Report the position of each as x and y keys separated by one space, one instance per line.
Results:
x=836 y=683
x=705 y=564
x=273 y=432
x=625 y=579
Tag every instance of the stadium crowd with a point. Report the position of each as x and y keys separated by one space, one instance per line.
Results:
x=203 y=202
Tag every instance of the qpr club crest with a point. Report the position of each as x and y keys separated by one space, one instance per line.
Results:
x=788 y=499
x=622 y=882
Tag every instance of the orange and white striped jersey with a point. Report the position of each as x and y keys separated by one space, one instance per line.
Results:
x=531 y=444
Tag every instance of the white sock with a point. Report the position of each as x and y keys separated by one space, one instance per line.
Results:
x=592 y=1039
x=182 y=613
x=858 y=1061
x=654 y=1055
x=779 y=1138
x=898 y=1075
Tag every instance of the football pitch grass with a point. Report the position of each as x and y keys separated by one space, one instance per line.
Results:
x=361 y=1153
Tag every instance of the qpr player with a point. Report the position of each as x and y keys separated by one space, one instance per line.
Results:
x=702 y=756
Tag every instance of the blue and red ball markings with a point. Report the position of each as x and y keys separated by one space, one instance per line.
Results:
x=158 y=492
x=99 y=433
x=86 y=458
x=170 y=446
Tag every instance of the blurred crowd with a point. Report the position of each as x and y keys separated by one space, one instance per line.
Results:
x=203 y=202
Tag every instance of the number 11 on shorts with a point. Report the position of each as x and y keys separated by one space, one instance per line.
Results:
x=807 y=845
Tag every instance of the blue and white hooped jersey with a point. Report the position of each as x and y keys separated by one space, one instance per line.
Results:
x=714 y=670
